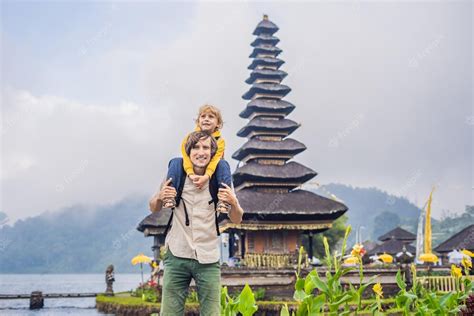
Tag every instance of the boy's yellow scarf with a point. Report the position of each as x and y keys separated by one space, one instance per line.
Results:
x=216 y=134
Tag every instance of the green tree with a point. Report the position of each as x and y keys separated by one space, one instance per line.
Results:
x=334 y=235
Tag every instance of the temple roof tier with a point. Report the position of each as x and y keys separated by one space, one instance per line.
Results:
x=459 y=241
x=259 y=226
x=265 y=49
x=267 y=106
x=275 y=90
x=155 y=223
x=265 y=39
x=296 y=202
x=266 y=62
x=265 y=27
x=391 y=247
x=266 y=74
x=263 y=126
x=399 y=234
x=287 y=146
x=291 y=174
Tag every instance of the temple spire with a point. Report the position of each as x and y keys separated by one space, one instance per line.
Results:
x=267 y=181
x=268 y=150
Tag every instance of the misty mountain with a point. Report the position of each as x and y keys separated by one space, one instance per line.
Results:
x=375 y=211
x=77 y=239
x=85 y=239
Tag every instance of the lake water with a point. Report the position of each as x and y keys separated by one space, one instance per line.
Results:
x=59 y=283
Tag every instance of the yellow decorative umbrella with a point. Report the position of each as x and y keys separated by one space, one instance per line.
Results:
x=386 y=258
x=429 y=257
x=141 y=259
x=351 y=260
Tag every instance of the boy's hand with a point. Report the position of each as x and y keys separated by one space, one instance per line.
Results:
x=199 y=181
x=193 y=177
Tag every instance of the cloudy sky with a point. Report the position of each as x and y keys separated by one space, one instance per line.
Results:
x=96 y=96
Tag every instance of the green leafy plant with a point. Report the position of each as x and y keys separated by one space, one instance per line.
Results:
x=331 y=294
x=192 y=297
x=419 y=301
x=259 y=294
x=147 y=293
x=244 y=303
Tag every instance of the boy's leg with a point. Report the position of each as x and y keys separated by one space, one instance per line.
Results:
x=208 y=284
x=223 y=175
x=176 y=279
x=175 y=169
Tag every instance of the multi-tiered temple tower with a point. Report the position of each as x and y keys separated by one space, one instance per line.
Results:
x=267 y=181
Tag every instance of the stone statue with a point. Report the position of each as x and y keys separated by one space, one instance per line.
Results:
x=109 y=279
x=36 y=300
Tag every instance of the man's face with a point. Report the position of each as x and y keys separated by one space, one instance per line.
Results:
x=201 y=153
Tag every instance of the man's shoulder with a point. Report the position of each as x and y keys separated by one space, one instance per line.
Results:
x=175 y=159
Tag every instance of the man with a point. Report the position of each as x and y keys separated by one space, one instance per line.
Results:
x=192 y=243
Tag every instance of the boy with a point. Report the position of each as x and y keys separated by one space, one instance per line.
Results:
x=210 y=121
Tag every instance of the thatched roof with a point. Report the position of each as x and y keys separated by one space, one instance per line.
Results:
x=294 y=203
x=288 y=174
x=265 y=39
x=265 y=49
x=266 y=74
x=392 y=247
x=254 y=225
x=267 y=106
x=265 y=27
x=297 y=209
x=288 y=146
x=281 y=126
x=462 y=240
x=399 y=234
x=267 y=61
x=274 y=89
x=155 y=222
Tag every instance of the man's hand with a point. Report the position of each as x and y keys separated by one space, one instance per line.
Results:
x=199 y=181
x=226 y=194
x=236 y=212
x=166 y=191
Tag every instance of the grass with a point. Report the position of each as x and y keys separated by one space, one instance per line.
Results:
x=124 y=298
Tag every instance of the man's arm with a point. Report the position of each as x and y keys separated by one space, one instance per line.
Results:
x=236 y=212
x=166 y=191
x=227 y=195
x=155 y=203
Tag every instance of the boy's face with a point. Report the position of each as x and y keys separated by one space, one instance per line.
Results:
x=207 y=122
x=200 y=154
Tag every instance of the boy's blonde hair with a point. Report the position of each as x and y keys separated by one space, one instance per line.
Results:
x=214 y=110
